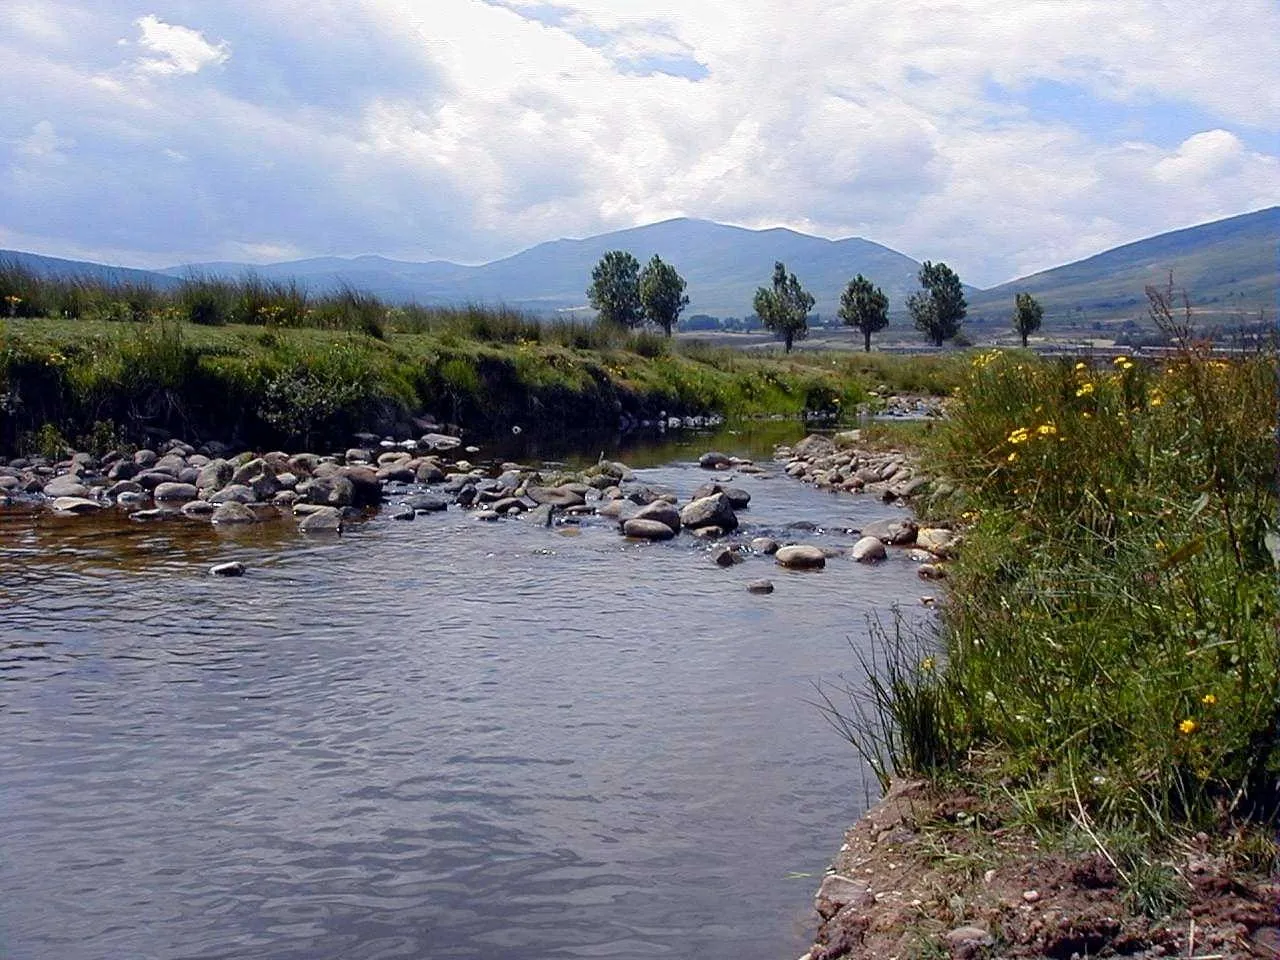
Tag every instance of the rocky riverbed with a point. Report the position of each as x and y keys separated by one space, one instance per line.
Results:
x=179 y=482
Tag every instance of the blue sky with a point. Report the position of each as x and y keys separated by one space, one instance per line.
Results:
x=1002 y=136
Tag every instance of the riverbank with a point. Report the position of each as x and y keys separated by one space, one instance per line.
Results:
x=1095 y=719
x=95 y=384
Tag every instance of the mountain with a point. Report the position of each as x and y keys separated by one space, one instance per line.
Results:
x=1228 y=268
x=56 y=267
x=722 y=264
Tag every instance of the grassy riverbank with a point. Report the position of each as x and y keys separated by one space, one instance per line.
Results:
x=1107 y=675
x=88 y=363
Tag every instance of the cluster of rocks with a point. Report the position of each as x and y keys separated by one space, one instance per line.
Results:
x=839 y=463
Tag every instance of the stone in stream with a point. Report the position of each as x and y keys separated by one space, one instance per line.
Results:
x=487 y=515
x=236 y=493
x=76 y=505
x=868 y=550
x=123 y=486
x=509 y=505
x=738 y=498
x=156 y=513
x=936 y=540
x=200 y=509
x=801 y=556
x=714 y=460
x=541 y=514
x=176 y=491
x=365 y=484
x=661 y=511
x=403 y=512
x=895 y=531
x=713 y=511
x=67 y=485
x=232 y=568
x=726 y=556
x=931 y=571
x=561 y=496
x=640 y=529
x=619 y=510
x=425 y=503
x=322 y=520
x=429 y=472
x=760 y=586
x=232 y=512
x=765 y=545
x=130 y=498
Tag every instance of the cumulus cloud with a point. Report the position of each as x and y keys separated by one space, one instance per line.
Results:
x=43 y=143
x=173 y=50
x=470 y=129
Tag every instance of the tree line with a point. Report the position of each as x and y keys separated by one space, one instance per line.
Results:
x=625 y=295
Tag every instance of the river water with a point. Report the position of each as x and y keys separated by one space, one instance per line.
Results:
x=443 y=738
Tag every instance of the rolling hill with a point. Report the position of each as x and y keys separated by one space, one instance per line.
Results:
x=1228 y=268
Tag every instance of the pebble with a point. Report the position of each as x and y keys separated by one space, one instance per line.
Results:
x=233 y=568
x=760 y=586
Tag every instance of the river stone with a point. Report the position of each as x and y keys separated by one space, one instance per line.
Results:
x=937 y=540
x=403 y=513
x=9 y=482
x=75 y=505
x=645 y=493
x=131 y=497
x=931 y=571
x=760 y=586
x=726 y=556
x=328 y=490
x=428 y=472
x=176 y=491
x=440 y=441
x=323 y=520
x=561 y=496
x=156 y=513
x=202 y=509
x=389 y=457
x=367 y=488
x=618 y=510
x=908 y=488
x=765 y=545
x=813 y=446
x=145 y=458
x=714 y=460
x=214 y=475
x=487 y=515
x=232 y=512
x=640 y=529
x=171 y=463
x=513 y=505
x=713 y=511
x=150 y=479
x=233 y=568
x=868 y=550
x=425 y=503
x=837 y=892
x=397 y=473
x=898 y=532
x=235 y=493
x=67 y=485
x=801 y=556
x=661 y=511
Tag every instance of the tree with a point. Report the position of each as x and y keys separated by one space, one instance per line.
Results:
x=863 y=305
x=615 y=289
x=938 y=310
x=785 y=308
x=1027 y=314
x=662 y=294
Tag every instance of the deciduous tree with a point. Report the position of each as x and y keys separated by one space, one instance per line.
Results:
x=1027 y=315
x=615 y=289
x=864 y=306
x=662 y=294
x=784 y=309
x=939 y=308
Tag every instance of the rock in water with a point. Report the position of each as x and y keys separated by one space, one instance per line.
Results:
x=233 y=512
x=801 y=556
x=725 y=556
x=323 y=520
x=75 y=505
x=176 y=491
x=714 y=460
x=760 y=586
x=898 y=532
x=233 y=568
x=67 y=485
x=868 y=550
x=713 y=511
x=661 y=511
x=642 y=529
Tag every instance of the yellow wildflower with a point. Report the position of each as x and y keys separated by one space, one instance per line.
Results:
x=1087 y=415
x=1084 y=390
x=1127 y=365
x=1013 y=456
x=1046 y=429
x=1020 y=435
x=1187 y=726
x=1209 y=699
x=1157 y=398
x=1122 y=359
x=1081 y=365
x=926 y=664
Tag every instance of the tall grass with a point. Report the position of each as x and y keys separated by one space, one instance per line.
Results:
x=1111 y=639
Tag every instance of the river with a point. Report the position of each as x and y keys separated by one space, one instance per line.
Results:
x=442 y=738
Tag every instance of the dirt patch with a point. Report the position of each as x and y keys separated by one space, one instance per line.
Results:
x=928 y=874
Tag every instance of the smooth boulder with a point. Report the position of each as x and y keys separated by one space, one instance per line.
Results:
x=661 y=511
x=642 y=529
x=322 y=520
x=801 y=556
x=713 y=511
x=868 y=550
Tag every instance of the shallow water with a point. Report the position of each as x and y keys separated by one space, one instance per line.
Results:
x=442 y=738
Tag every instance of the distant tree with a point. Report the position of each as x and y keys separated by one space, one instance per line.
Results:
x=615 y=289
x=785 y=308
x=864 y=306
x=662 y=294
x=1027 y=315
x=939 y=308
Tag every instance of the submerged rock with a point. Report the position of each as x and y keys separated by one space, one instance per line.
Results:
x=76 y=505
x=760 y=586
x=232 y=568
x=322 y=520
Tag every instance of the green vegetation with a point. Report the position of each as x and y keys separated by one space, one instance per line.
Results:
x=1027 y=316
x=662 y=294
x=938 y=309
x=261 y=363
x=615 y=290
x=864 y=307
x=784 y=309
x=1108 y=663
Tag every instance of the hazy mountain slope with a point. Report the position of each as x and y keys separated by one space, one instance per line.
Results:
x=1227 y=267
x=96 y=272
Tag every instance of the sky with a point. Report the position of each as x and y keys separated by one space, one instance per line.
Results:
x=999 y=136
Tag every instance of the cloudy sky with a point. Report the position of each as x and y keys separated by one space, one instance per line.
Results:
x=1001 y=136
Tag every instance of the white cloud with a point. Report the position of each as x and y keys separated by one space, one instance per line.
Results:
x=175 y=49
x=43 y=143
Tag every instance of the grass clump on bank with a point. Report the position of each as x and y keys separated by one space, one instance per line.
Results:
x=1109 y=659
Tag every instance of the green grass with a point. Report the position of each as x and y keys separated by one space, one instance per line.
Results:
x=1110 y=640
